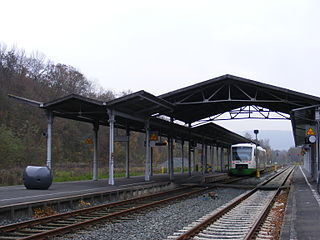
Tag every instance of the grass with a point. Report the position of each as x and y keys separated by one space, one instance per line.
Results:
x=85 y=173
x=64 y=176
x=77 y=172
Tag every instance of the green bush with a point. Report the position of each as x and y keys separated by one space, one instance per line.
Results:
x=11 y=148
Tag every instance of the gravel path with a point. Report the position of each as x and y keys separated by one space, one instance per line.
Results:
x=158 y=223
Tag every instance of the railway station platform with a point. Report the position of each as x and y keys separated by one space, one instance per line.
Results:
x=19 y=194
x=19 y=201
x=302 y=219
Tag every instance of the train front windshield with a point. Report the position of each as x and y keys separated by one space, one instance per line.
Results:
x=241 y=153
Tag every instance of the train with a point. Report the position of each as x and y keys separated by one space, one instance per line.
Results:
x=244 y=158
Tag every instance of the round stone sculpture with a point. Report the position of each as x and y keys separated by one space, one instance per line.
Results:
x=37 y=177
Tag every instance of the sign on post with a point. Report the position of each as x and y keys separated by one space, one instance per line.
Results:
x=153 y=136
x=310 y=132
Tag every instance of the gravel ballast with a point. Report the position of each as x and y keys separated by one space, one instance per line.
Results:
x=157 y=223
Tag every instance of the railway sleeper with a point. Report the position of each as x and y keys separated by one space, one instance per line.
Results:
x=58 y=224
x=225 y=222
x=84 y=217
x=44 y=227
x=217 y=236
x=222 y=228
x=17 y=234
x=66 y=221
x=8 y=238
x=31 y=230
x=222 y=231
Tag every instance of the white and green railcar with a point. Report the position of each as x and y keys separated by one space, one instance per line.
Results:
x=244 y=158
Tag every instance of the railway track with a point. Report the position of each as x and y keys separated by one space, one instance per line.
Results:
x=239 y=219
x=62 y=223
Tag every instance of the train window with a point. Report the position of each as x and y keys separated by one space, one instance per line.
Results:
x=241 y=153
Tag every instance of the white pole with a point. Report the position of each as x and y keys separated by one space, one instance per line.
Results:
x=49 y=139
x=111 y=146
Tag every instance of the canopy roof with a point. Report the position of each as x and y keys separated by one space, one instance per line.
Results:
x=189 y=105
x=303 y=119
x=225 y=93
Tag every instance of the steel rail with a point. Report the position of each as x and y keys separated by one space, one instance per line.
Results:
x=201 y=226
x=28 y=223
x=77 y=225
x=266 y=211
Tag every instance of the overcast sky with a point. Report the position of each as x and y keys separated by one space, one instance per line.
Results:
x=160 y=46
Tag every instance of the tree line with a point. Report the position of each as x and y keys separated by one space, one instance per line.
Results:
x=22 y=126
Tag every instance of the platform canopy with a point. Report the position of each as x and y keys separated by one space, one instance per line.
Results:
x=241 y=98
x=131 y=112
x=302 y=120
x=177 y=112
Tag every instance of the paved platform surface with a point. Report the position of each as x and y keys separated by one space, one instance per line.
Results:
x=302 y=220
x=19 y=194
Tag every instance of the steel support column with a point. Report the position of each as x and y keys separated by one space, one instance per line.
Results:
x=229 y=157
x=151 y=161
x=189 y=151
x=317 y=118
x=111 y=146
x=148 y=151
x=189 y=158
x=217 y=158
x=205 y=158
x=182 y=156
x=171 y=171
x=211 y=157
x=128 y=154
x=194 y=160
x=221 y=158
x=95 y=151
x=202 y=158
x=49 y=139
